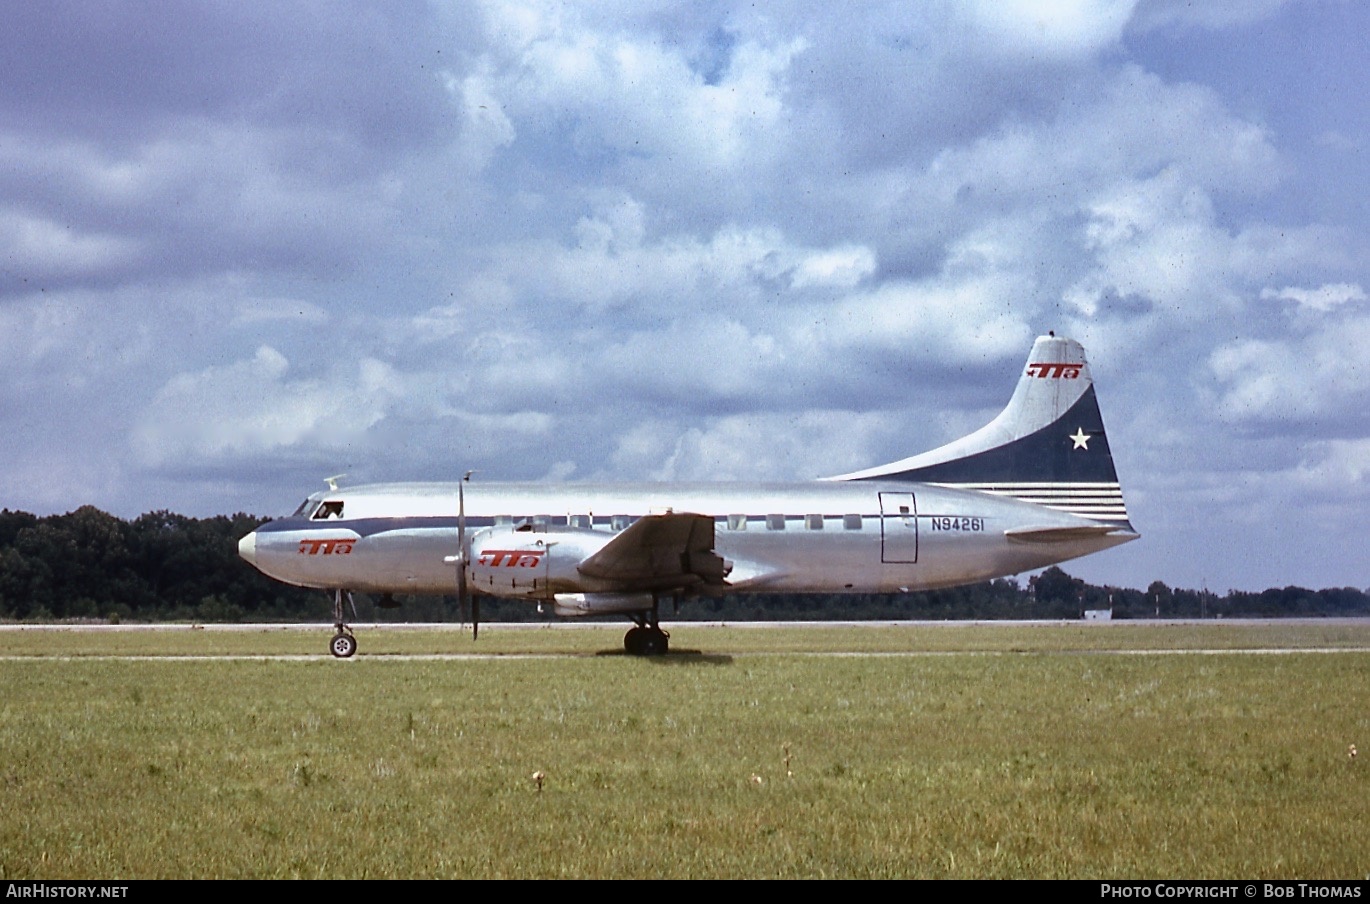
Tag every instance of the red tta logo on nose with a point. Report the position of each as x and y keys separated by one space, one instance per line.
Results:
x=326 y=547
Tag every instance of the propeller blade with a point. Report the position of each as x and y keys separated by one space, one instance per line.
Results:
x=464 y=597
x=465 y=600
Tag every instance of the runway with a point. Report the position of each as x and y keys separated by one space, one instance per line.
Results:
x=1102 y=625
x=708 y=648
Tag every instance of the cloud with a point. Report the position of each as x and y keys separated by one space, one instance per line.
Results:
x=36 y=251
x=242 y=247
x=951 y=321
x=627 y=95
x=1064 y=28
x=249 y=408
x=210 y=201
x=1128 y=124
x=1311 y=384
x=1327 y=297
x=115 y=75
x=736 y=447
x=1336 y=469
x=487 y=129
x=1157 y=14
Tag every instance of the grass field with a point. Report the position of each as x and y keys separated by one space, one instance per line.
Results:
x=1013 y=752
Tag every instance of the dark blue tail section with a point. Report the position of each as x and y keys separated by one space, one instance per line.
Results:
x=1048 y=446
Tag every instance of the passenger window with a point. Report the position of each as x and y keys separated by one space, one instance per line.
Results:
x=581 y=521
x=737 y=522
x=851 y=522
x=775 y=522
x=333 y=509
x=813 y=522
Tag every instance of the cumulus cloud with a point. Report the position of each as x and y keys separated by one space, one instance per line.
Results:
x=796 y=446
x=211 y=200
x=1058 y=27
x=251 y=407
x=1155 y=14
x=1335 y=467
x=1327 y=297
x=487 y=128
x=39 y=248
x=631 y=240
x=951 y=321
x=1314 y=382
x=628 y=94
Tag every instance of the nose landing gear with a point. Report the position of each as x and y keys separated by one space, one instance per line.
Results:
x=343 y=644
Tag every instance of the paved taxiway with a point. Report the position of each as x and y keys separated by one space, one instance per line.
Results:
x=573 y=626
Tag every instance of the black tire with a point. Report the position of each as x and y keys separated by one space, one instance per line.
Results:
x=343 y=645
x=655 y=642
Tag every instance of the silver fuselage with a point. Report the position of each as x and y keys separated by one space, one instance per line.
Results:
x=821 y=536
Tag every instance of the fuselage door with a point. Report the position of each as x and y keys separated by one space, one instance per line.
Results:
x=898 y=528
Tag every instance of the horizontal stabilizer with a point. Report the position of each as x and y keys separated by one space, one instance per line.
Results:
x=1058 y=534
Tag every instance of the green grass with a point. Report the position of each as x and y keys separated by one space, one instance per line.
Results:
x=983 y=764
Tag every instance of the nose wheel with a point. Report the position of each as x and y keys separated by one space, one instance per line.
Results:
x=343 y=644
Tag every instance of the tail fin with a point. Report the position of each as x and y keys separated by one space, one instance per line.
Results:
x=1047 y=446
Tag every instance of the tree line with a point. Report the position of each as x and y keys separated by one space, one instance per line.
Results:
x=161 y=566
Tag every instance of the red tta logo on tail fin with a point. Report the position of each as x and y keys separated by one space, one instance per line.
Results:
x=1061 y=369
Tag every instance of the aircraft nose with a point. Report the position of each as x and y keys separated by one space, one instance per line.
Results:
x=247 y=547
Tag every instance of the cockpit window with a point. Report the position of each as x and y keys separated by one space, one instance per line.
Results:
x=306 y=508
x=331 y=509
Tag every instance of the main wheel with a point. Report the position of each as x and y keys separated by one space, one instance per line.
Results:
x=654 y=642
x=343 y=645
x=633 y=641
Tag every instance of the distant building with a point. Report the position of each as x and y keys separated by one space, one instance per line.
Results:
x=1098 y=615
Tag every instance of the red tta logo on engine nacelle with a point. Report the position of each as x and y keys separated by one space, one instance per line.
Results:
x=511 y=558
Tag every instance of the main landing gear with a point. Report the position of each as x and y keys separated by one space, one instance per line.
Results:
x=343 y=644
x=647 y=639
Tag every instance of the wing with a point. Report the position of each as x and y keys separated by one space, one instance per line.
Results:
x=659 y=552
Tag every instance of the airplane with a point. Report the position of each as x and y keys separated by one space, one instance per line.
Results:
x=1034 y=487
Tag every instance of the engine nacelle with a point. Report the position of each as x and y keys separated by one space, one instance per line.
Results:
x=531 y=564
x=573 y=604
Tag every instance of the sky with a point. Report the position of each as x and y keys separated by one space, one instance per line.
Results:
x=247 y=246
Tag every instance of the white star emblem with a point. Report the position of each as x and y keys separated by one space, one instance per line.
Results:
x=1080 y=439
